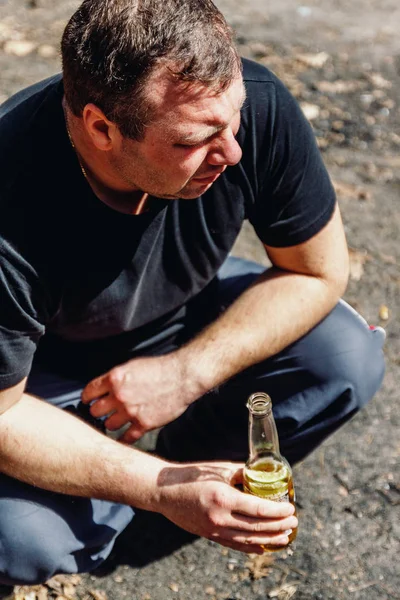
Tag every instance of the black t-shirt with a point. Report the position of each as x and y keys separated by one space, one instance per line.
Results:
x=86 y=277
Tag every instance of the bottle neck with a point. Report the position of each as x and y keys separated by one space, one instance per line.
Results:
x=263 y=435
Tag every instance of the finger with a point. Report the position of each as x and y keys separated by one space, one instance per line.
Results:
x=117 y=420
x=132 y=434
x=260 y=508
x=249 y=524
x=103 y=406
x=95 y=388
x=233 y=535
x=249 y=549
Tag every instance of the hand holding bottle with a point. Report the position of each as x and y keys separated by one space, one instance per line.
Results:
x=267 y=473
x=201 y=498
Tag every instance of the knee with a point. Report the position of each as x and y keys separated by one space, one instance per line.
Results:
x=29 y=555
x=353 y=353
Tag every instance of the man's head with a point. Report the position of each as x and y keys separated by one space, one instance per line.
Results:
x=111 y=48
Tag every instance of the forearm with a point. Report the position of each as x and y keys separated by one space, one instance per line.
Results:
x=274 y=312
x=51 y=449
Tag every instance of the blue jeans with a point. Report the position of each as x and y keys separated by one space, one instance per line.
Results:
x=316 y=384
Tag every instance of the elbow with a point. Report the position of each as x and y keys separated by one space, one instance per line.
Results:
x=11 y=396
x=337 y=281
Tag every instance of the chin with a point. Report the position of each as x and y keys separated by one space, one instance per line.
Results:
x=194 y=191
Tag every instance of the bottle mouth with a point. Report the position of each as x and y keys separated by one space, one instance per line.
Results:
x=259 y=404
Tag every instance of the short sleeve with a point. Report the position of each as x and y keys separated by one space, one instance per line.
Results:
x=296 y=198
x=21 y=325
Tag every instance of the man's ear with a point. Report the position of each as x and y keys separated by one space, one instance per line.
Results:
x=103 y=132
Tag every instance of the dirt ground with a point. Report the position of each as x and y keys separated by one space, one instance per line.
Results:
x=342 y=62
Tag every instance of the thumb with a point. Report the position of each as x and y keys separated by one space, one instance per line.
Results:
x=132 y=435
x=237 y=476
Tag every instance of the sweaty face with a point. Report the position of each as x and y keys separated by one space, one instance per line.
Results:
x=189 y=143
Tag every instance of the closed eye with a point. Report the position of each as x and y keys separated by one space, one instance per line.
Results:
x=189 y=145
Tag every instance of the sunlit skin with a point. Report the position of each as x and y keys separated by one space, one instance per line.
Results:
x=188 y=144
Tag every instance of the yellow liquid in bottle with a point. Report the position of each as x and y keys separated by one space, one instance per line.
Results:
x=272 y=479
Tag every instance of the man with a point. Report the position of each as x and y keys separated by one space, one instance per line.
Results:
x=124 y=186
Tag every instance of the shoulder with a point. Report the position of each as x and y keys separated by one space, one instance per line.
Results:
x=255 y=72
x=266 y=93
x=24 y=119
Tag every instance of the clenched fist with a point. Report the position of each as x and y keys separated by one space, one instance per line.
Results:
x=146 y=392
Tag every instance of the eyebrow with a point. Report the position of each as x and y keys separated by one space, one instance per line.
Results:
x=197 y=139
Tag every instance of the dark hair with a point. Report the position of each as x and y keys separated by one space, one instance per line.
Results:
x=110 y=48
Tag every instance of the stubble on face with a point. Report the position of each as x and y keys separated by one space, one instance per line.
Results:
x=156 y=165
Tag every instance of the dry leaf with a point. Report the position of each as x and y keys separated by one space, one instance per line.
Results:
x=383 y=312
x=98 y=595
x=18 y=47
x=42 y=594
x=311 y=111
x=259 y=565
x=174 y=587
x=56 y=583
x=313 y=60
x=357 y=261
x=69 y=591
x=26 y=592
x=284 y=592
x=23 y=593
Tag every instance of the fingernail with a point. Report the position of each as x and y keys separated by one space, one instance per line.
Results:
x=288 y=532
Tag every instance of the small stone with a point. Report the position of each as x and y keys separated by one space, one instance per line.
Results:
x=313 y=60
x=366 y=99
x=174 y=587
x=384 y=312
x=47 y=51
x=337 y=125
x=311 y=111
x=304 y=11
x=19 y=47
x=210 y=591
x=378 y=81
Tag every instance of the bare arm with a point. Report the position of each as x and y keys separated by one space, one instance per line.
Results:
x=49 y=448
x=284 y=303
x=52 y=449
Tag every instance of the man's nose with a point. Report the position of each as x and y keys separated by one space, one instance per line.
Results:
x=226 y=151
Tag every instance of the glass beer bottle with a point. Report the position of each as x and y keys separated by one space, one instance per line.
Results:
x=267 y=473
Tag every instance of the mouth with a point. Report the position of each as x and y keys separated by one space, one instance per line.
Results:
x=209 y=179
